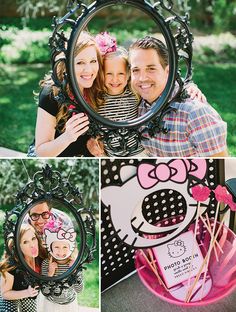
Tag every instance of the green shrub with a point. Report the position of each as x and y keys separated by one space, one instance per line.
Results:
x=228 y=53
x=207 y=55
x=24 y=46
x=215 y=48
x=36 y=52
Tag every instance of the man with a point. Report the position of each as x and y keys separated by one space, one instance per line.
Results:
x=39 y=215
x=195 y=128
x=42 y=213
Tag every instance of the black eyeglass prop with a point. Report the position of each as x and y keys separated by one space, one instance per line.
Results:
x=163 y=23
x=49 y=222
x=35 y=216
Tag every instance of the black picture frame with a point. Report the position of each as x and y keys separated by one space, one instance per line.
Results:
x=48 y=186
x=178 y=39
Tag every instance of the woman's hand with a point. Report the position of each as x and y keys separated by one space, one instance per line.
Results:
x=95 y=147
x=76 y=126
x=32 y=292
x=52 y=266
x=195 y=93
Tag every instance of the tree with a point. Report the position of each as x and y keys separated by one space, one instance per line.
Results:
x=82 y=173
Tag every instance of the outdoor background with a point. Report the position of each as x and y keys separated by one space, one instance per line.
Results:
x=24 y=57
x=82 y=173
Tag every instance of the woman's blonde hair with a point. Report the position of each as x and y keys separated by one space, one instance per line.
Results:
x=5 y=265
x=94 y=94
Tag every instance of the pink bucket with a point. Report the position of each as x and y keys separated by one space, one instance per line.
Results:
x=221 y=273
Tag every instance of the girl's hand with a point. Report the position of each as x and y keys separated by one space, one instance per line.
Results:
x=195 y=93
x=76 y=126
x=71 y=262
x=52 y=266
x=95 y=147
x=32 y=292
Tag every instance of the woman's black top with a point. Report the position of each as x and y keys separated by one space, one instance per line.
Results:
x=50 y=105
x=19 y=281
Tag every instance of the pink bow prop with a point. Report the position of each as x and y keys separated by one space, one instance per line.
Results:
x=66 y=235
x=175 y=170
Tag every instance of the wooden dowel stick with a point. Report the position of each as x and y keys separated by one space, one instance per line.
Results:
x=154 y=271
x=194 y=238
x=209 y=255
x=217 y=243
x=208 y=227
x=203 y=263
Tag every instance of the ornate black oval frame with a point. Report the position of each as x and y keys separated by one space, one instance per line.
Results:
x=48 y=185
x=178 y=39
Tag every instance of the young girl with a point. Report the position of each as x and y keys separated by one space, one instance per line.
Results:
x=57 y=132
x=120 y=103
x=61 y=244
x=16 y=294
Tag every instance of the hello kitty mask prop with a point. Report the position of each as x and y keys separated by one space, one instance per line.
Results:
x=59 y=235
x=125 y=201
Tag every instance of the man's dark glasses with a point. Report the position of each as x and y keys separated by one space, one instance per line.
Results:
x=36 y=216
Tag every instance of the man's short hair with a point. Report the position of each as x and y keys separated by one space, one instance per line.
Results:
x=149 y=42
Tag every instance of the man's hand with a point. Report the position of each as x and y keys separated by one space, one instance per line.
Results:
x=95 y=147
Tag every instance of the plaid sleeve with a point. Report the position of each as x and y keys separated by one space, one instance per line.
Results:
x=207 y=131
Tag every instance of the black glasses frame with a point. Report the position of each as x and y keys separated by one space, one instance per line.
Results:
x=37 y=215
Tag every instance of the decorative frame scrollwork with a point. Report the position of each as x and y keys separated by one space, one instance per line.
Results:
x=178 y=39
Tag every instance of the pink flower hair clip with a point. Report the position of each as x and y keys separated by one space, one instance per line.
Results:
x=106 y=43
x=53 y=225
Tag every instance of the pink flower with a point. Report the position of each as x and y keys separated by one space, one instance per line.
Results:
x=106 y=43
x=221 y=194
x=53 y=225
x=200 y=193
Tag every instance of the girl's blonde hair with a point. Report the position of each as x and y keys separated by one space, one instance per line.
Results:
x=5 y=265
x=94 y=94
x=122 y=53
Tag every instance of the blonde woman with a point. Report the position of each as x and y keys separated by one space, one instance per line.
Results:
x=15 y=293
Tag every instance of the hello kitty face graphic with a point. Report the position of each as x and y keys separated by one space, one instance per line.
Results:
x=176 y=249
x=125 y=202
x=60 y=243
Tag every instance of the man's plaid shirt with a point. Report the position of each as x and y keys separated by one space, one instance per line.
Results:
x=195 y=129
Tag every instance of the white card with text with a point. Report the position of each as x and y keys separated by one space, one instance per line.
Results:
x=174 y=258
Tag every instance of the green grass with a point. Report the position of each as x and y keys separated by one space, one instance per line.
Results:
x=218 y=84
x=18 y=108
x=90 y=295
x=17 y=104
